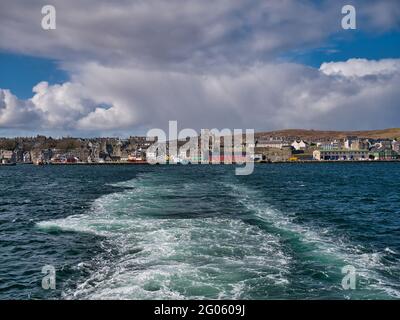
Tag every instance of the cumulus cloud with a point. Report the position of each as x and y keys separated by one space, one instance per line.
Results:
x=361 y=67
x=262 y=96
x=16 y=113
x=62 y=105
x=137 y=64
x=51 y=107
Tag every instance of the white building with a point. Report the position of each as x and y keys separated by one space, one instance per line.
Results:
x=341 y=155
x=7 y=156
x=278 y=144
x=396 y=146
x=348 y=141
x=299 y=145
x=333 y=145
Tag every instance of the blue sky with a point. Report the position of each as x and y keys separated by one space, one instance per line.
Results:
x=20 y=73
x=260 y=64
x=352 y=44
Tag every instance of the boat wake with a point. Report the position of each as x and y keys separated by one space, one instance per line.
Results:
x=169 y=237
x=326 y=251
x=158 y=246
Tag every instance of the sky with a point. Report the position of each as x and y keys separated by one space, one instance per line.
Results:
x=123 y=67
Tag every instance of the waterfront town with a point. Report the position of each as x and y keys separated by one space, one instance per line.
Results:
x=279 y=146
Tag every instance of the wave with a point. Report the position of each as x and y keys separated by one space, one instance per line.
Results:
x=169 y=237
x=330 y=250
x=154 y=255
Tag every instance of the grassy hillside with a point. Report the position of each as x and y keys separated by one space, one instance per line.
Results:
x=310 y=134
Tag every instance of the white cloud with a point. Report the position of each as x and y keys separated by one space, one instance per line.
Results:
x=361 y=67
x=62 y=105
x=264 y=96
x=261 y=96
x=15 y=113
x=52 y=107
x=137 y=64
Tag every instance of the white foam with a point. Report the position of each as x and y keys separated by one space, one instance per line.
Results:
x=368 y=265
x=172 y=258
x=218 y=257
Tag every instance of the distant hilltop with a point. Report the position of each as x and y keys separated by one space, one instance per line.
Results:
x=302 y=134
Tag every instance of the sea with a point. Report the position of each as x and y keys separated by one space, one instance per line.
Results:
x=287 y=231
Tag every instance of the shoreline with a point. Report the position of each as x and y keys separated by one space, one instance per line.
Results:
x=181 y=164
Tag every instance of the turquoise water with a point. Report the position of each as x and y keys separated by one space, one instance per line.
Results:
x=182 y=232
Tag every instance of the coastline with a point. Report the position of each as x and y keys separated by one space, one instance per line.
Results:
x=179 y=164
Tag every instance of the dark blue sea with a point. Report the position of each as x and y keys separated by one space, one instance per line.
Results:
x=200 y=232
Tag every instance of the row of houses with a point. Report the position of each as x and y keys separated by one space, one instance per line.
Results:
x=358 y=155
x=358 y=149
x=9 y=156
x=136 y=149
x=349 y=148
x=68 y=150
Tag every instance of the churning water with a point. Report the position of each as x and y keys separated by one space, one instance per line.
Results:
x=200 y=232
